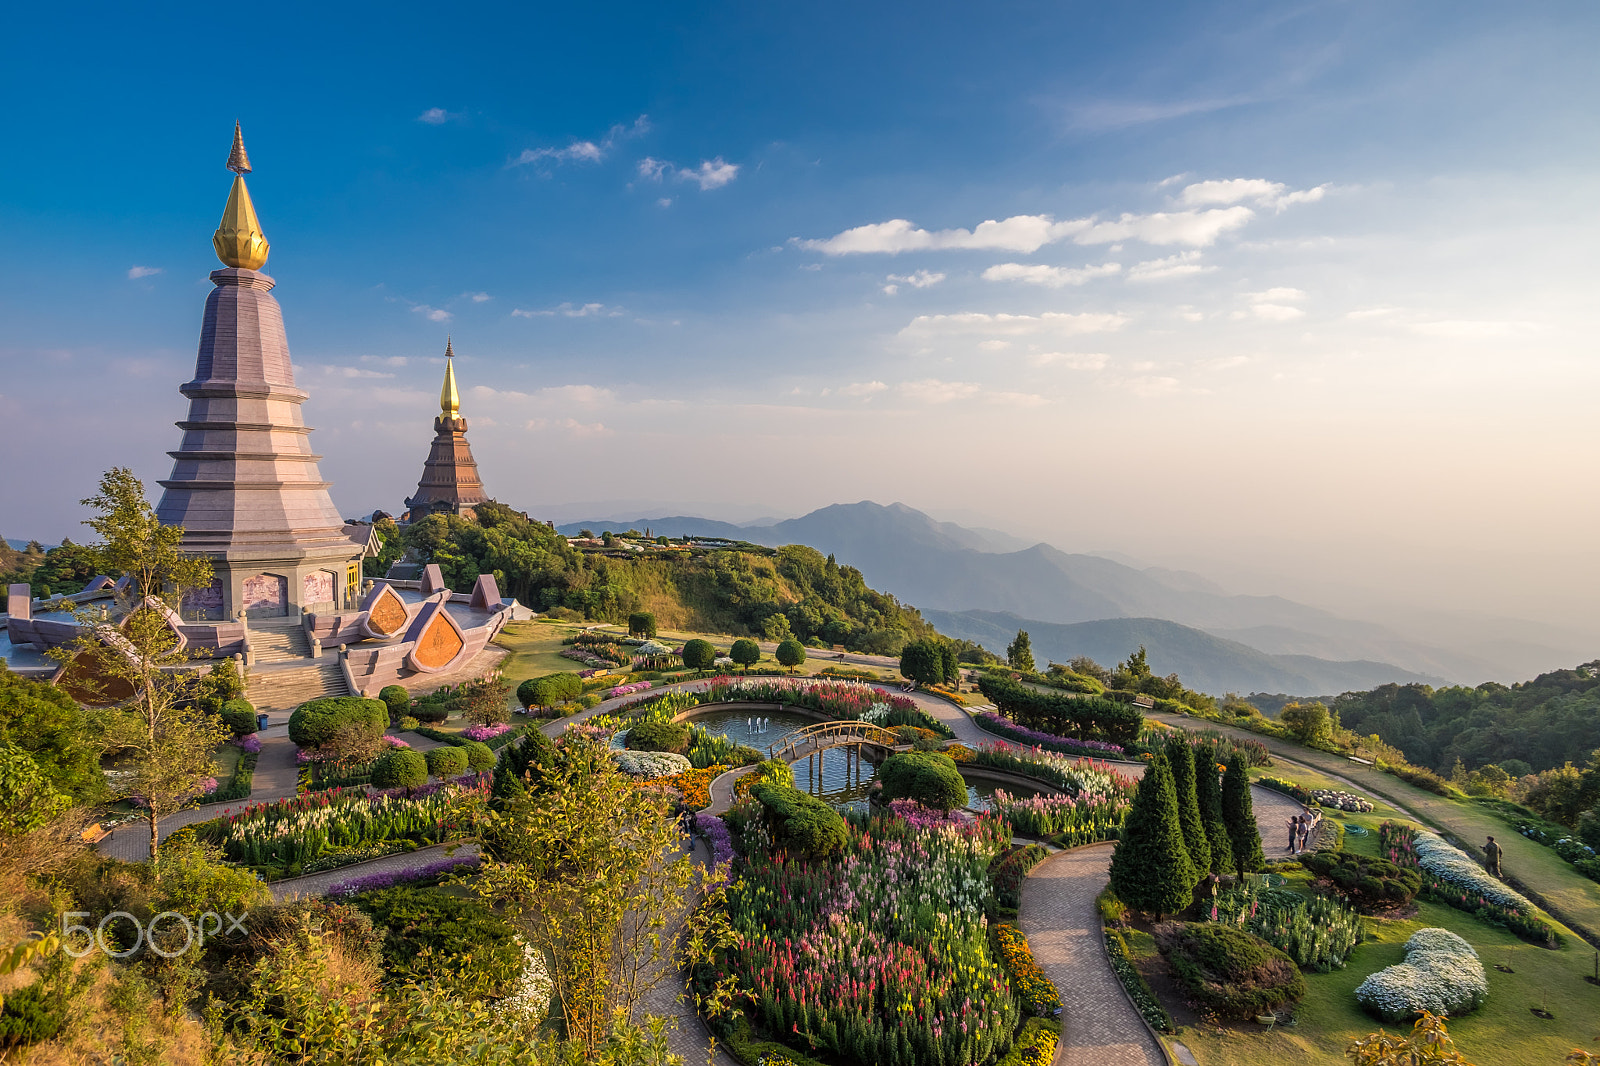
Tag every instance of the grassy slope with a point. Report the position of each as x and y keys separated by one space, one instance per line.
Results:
x=1504 y=1032
x=1538 y=868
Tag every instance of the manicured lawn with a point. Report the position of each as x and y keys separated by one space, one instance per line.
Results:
x=1503 y=1032
x=535 y=649
x=226 y=759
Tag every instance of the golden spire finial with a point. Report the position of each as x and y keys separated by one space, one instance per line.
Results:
x=449 y=398
x=239 y=241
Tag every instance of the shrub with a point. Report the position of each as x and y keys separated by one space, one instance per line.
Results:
x=240 y=716
x=432 y=713
x=1236 y=974
x=699 y=654
x=654 y=734
x=313 y=724
x=1035 y=1044
x=1365 y=880
x=459 y=939
x=1010 y=869
x=1423 y=778
x=1086 y=718
x=397 y=699
x=40 y=1010
x=400 y=768
x=800 y=822
x=1441 y=975
x=408 y=722
x=642 y=624
x=447 y=762
x=650 y=764
x=479 y=757
x=745 y=652
x=790 y=653
x=930 y=778
x=1450 y=877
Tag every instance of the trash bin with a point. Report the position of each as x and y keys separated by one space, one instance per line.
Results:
x=261 y=720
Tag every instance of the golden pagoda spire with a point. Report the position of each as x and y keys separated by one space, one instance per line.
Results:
x=239 y=241
x=449 y=398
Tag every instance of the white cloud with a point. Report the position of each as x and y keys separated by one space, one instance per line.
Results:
x=134 y=273
x=478 y=297
x=432 y=314
x=1049 y=276
x=1473 y=329
x=1173 y=266
x=862 y=388
x=434 y=116
x=569 y=425
x=1056 y=322
x=920 y=279
x=1276 y=312
x=932 y=390
x=385 y=360
x=1151 y=385
x=665 y=201
x=1015 y=399
x=571 y=310
x=1371 y=312
x=1029 y=233
x=352 y=372
x=994 y=345
x=1072 y=360
x=585 y=151
x=1194 y=228
x=710 y=174
x=1273 y=194
x=1280 y=294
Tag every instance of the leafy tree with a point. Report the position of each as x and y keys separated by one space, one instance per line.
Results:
x=1310 y=722
x=1150 y=870
x=791 y=653
x=921 y=662
x=390 y=549
x=1019 y=653
x=161 y=732
x=699 y=654
x=1238 y=813
x=1137 y=666
x=745 y=652
x=1082 y=664
x=1428 y=1045
x=951 y=665
x=589 y=868
x=641 y=624
x=28 y=799
x=56 y=733
x=487 y=700
x=776 y=627
x=1180 y=756
x=1208 y=798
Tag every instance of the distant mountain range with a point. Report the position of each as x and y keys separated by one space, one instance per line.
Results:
x=949 y=570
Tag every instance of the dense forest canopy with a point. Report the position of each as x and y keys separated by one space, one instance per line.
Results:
x=1544 y=723
x=65 y=568
x=794 y=591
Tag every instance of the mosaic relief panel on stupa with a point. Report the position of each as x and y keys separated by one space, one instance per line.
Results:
x=266 y=593
x=439 y=643
x=318 y=587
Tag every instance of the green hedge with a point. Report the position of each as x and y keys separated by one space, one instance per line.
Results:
x=1133 y=982
x=240 y=716
x=479 y=755
x=1368 y=881
x=1084 y=717
x=400 y=768
x=447 y=762
x=928 y=777
x=1233 y=972
x=800 y=821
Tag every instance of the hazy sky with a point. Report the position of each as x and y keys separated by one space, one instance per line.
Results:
x=1300 y=295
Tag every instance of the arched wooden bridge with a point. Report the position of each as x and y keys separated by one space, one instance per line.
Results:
x=824 y=735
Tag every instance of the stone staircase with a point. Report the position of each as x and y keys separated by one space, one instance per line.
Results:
x=285 y=686
x=278 y=643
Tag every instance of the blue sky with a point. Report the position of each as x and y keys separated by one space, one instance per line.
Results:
x=1302 y=285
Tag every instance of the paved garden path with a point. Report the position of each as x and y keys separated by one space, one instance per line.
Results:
x=1059 y=918
x=318 y=884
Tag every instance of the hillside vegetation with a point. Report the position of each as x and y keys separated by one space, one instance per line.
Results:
x=748 y=590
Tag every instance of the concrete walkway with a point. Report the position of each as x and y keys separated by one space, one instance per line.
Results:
x=1059 y=918
x=317 y=884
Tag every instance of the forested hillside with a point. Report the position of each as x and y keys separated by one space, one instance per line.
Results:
x=1544 y=723
x=772 y=593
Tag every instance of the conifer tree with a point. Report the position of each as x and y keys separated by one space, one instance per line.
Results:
x=1208 y=796
x=1150 y=870
x=1181 y=758
x=1239 y=814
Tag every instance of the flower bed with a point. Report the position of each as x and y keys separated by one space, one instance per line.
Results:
x=1133 y=982
x=1288 y=788
x=1441 y=974
x=1074 y=775
x=1039 y=996
x=250 y=744
x=1009 y=870
x=390 y=878
x=648 y=764
x=1316 y=932
x=880 y=955
x=1035 y=1045
x=1001 y=726
x=1569 y=847
x=628 y=690
x=1086 y=818
x=717 y=837
x=1450 y=877
x=695 y=784
x=485 y=733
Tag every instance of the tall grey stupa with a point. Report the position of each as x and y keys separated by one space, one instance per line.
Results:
x=244 y=483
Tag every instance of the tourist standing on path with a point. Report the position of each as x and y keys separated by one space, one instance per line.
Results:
x=1491 y=855
x=1294 y=832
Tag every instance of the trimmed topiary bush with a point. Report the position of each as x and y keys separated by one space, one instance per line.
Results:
x=1229 y=970
x=314 y=723
x=657 y=735
x=699 y=654
x=1368 y=882
x=929 y=777
x=800 y=822
x=432 y=713
x=479 y=757
x=447 y=762
x=396 y=698
x=240 y=716
x=1441 y=974
x=400 y=768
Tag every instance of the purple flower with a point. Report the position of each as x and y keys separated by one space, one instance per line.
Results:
x=391 y=878
x=1004 y=726
x=485 y=732
x=715 y=830
x=250 y=744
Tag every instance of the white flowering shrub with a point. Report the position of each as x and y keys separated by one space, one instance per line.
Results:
x=1451 y=865
x=877 y=714
x=650 y=763
x=534 y=987
x=1441 y=974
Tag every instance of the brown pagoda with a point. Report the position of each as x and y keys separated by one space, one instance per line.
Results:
x=450 y=483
